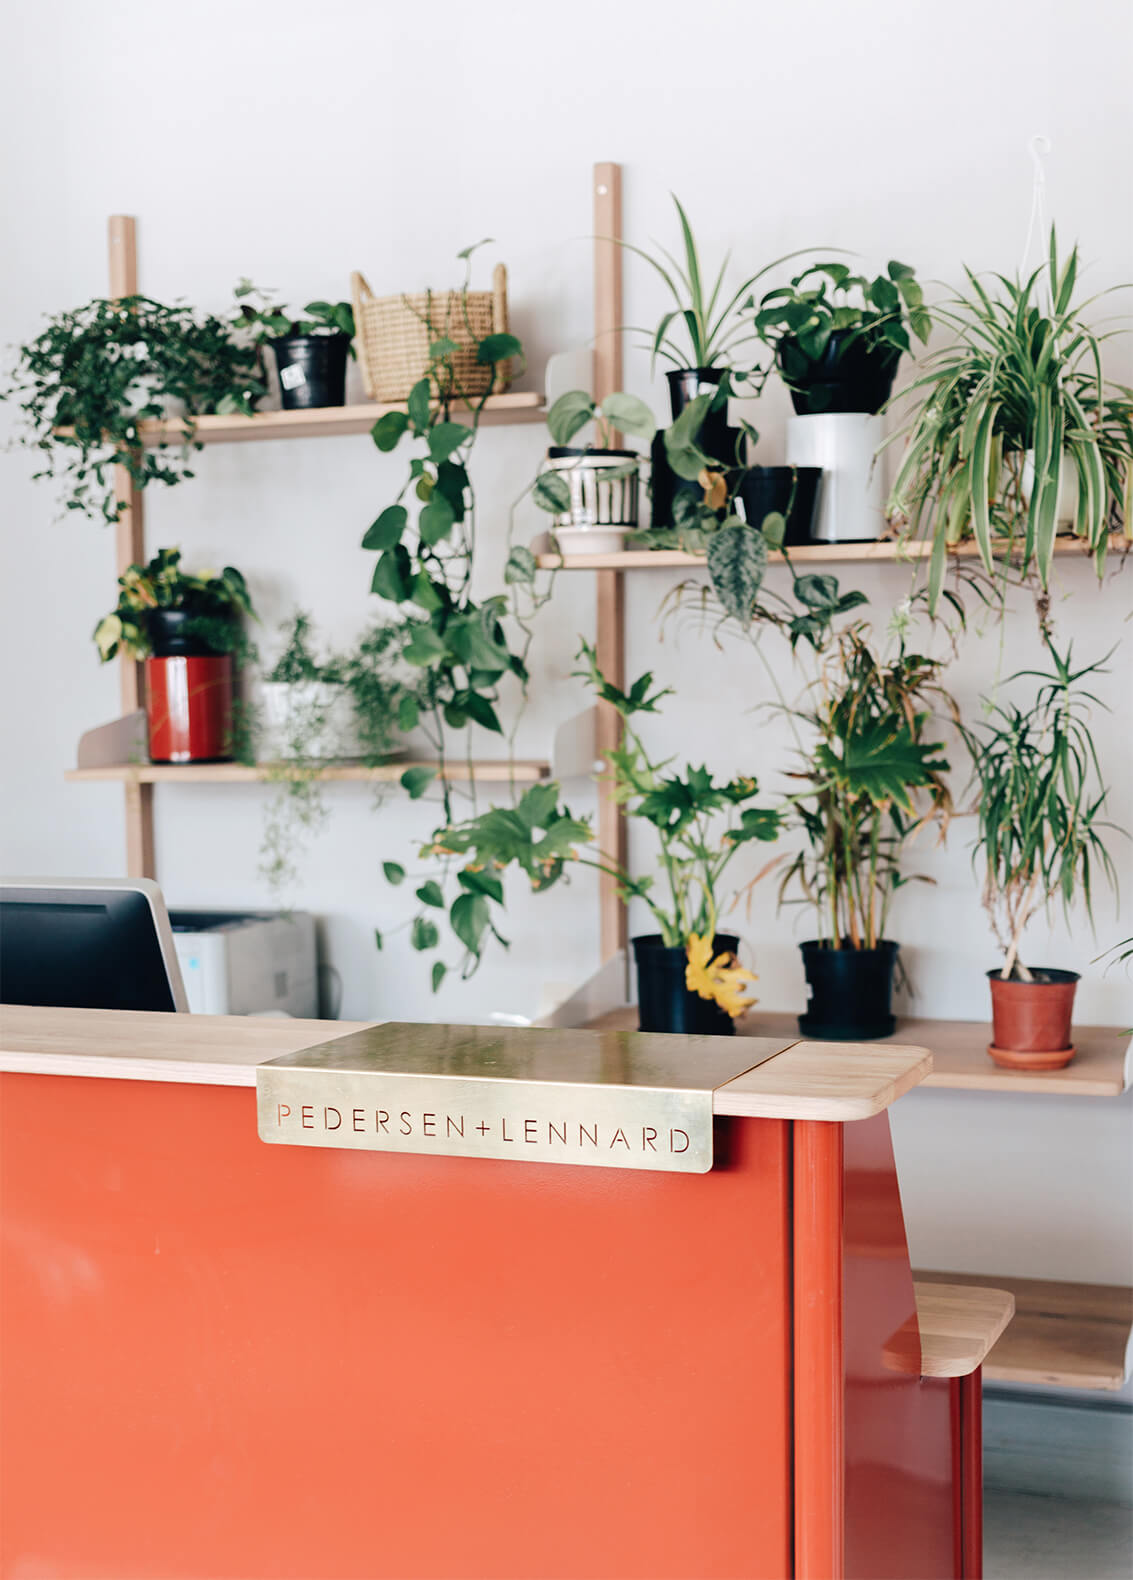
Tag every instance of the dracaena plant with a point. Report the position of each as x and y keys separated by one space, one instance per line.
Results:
x=874 y=775
x=1021 y=382
x=86 y=383
x=1041 y=804
x=700 y=824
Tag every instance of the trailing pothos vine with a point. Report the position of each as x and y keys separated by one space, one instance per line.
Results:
x=466 y=649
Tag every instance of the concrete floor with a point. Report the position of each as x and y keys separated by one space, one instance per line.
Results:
x=1031 y=1537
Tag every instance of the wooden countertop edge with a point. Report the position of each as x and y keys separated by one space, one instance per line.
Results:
x=825 y=1081
x=799 y=1083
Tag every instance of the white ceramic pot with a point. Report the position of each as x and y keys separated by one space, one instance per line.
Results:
x=850 y=497
x=589 y=540
x=1067 y=488
x=597 y=500
x=308 y=719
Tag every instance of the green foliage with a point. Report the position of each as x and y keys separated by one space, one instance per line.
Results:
x=798 y=320
x=267 y=320
x=213 y=601
x=870 y=761
x=1041 y=800
x=1023 y=373
x=93 y=375
x=737 y=559
x=369 y=686
x=574 y=410
x=703 y=329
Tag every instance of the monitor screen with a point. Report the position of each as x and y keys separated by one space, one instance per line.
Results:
x=97 y=947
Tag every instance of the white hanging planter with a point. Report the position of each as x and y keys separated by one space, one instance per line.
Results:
x=844 y=444
x=1067 y=489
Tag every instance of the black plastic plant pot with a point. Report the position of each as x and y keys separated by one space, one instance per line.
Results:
x=665 y=485
x=790 y=490
x=312 y=370
x=851 y=374
x=850 y=992
x=664 y=1003
x=716 y=438
x=172 y=635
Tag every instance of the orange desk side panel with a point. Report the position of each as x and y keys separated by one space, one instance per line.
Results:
x=883 y=1456
x=222 y=1359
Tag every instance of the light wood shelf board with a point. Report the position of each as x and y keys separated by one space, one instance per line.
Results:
x=1064 y=1335
x=521 y=406
x=959 y=1054
x=959 y=1325
x=806 y=553
x=526 y=771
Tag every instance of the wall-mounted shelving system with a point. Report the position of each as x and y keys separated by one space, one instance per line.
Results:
x=1074 y=1334
x=883 y=551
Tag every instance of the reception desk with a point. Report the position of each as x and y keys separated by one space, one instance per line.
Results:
x=656 y=1319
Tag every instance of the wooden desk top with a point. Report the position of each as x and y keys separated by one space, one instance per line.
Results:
x=826 y=1081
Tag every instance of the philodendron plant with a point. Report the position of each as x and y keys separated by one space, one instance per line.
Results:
x=700 y=824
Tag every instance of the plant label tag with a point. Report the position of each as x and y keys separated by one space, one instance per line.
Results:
x=291 y=377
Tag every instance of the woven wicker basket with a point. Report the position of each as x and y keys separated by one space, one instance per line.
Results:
x=394 y=334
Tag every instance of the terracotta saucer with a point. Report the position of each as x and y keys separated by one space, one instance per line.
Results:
x=1010 y=1059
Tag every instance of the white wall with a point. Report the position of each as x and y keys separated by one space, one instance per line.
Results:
x=294 y=145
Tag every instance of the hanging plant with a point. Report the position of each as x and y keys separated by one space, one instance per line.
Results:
x=95 y=374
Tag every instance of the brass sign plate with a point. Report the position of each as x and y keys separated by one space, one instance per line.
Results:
x=612 y=1099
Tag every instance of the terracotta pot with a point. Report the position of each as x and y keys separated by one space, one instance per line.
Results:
x=1031 y=1020
x=189 y=708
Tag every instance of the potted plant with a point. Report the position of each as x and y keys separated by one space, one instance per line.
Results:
x=837 y=338
x=689 y=977
x=1012 y=420
x=592 y=490
x=94 y=375
x=310 y=352
x=306 y=706
x=870 y=761
x=354 y=706
x=1040 y=808
x=187 y=629
x=702 y=336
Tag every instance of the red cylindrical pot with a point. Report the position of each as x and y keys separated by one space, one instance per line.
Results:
x=1030 y=1021
x=189 y=709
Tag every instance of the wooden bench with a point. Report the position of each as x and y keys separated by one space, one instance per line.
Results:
x=1064 y=1335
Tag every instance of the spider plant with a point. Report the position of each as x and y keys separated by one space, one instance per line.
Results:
x=871 y=759
x=704 y=329
x=1023 y=377
x=1041 y=799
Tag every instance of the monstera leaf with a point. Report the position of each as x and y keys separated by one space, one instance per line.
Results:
x=881 y=759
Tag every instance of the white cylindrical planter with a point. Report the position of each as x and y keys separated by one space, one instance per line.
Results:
x=308 y=719
x=851 y=497
x=1067 y=489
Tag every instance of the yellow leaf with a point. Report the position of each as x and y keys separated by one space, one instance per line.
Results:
x=721 y=979
x=715 y=489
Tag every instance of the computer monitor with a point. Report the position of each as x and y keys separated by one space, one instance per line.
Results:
x=87 y=943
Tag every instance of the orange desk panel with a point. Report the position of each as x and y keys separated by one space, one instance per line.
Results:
x=222 y=1359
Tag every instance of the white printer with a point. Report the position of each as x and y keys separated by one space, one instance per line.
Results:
x=247 y=962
